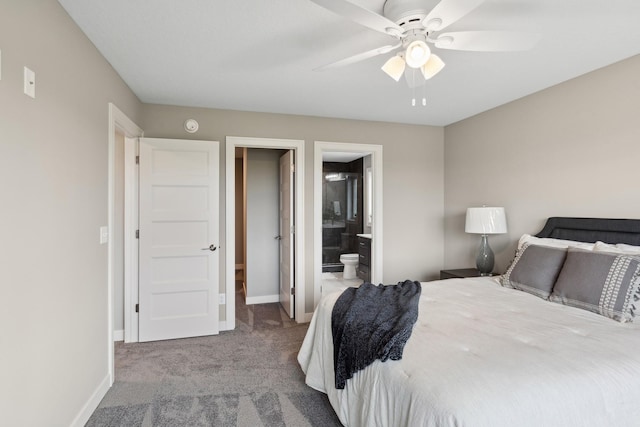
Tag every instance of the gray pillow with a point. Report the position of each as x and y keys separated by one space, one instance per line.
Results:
x=535 y=269
x=605 y=283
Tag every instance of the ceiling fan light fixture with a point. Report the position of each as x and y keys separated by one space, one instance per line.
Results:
x=394 y=67
x=417 y=54
x=432 y=67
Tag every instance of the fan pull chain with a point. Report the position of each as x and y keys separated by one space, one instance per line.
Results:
x=413 y=90
x=424 y=101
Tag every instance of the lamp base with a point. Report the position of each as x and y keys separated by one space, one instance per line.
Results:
x=485 y=258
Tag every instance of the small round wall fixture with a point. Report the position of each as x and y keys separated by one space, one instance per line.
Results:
x=191 y=125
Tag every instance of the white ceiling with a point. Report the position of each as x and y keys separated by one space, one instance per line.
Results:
x=257 y=55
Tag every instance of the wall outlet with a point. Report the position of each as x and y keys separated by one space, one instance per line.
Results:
x=222 y=299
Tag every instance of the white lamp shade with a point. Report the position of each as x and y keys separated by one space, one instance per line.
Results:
x=486 y=220
x=432 y=67
x=394 y=67
x=417 y=54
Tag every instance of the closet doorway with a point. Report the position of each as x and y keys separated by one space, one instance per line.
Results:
x=264 y=220
x=269 y=243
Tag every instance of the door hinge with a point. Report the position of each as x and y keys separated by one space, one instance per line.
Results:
x=293 y=291
x=137 y=308
x=137 y=160
x=293 y=168
x=137 y=234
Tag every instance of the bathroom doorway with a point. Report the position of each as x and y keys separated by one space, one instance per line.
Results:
x=347 y=209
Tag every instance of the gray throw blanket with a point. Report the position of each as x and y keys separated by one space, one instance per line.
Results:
x=372 y=322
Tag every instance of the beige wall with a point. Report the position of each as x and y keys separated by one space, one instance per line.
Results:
x=570 y=150
x=53 y=187
x=412 y=173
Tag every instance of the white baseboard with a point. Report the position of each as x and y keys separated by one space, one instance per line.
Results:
x=263 y=299
x=307 y=317
x=118 y=335
x=91 y=404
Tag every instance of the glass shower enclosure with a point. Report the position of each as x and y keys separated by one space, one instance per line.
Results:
x=340 y=217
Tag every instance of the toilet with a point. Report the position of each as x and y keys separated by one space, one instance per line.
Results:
x=350 y=262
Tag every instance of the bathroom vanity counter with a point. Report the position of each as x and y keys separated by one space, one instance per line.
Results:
x=366 y=236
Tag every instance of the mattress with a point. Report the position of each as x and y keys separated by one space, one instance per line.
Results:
x=484 y=355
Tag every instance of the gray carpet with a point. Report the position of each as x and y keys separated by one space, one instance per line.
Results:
x=246 y=377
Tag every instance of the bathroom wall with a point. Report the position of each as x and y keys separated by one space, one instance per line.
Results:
x=366 y=164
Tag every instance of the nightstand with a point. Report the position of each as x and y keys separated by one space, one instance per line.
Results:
x=461 y=273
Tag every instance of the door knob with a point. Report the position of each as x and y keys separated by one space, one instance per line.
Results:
x=278 y=237
x=210 y=248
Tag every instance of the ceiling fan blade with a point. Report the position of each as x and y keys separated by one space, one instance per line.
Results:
x=447 y=12
x=360 y=57
x=362 y=16
x=487 y=41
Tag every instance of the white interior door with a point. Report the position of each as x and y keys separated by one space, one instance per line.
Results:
x=179 y=223
x=286 y=233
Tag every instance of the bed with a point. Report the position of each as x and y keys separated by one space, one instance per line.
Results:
x=483 y=353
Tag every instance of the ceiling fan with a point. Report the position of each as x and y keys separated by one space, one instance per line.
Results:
x=415 y=27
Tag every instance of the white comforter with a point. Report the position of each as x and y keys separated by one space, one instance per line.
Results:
x=483 y=355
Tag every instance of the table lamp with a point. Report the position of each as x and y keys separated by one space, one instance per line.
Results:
x=485 y=221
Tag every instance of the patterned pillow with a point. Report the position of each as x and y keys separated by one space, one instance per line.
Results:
x=535 y=269
x=605 y=283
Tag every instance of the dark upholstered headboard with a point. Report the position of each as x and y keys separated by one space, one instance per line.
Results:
x=593 y=229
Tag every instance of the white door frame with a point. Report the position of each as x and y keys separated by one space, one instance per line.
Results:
x=117 y=121
x=131 y=149
x=230 y=247
x=376 y=229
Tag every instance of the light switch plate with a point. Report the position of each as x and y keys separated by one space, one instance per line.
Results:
x=104 y=234
x=29 y=82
